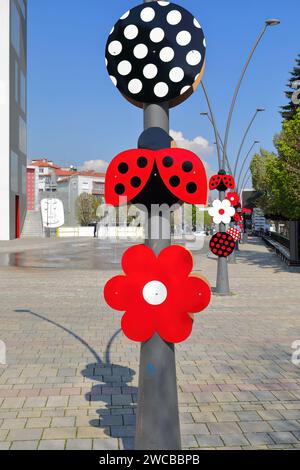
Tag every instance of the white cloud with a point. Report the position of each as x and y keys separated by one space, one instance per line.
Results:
x=199 y=145
x=95 y=165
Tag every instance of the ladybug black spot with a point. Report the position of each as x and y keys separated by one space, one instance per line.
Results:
x=120 y=189
x=191 y=188
x=136 y=182
x=142 y=162
x=174 y=181
x=168 y=162
x=123 y=168
x=187 y=167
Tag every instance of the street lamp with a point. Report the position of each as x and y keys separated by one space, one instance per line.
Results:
x=272 y=22
x=258 y=110
x=244 y=162
x=268 y=22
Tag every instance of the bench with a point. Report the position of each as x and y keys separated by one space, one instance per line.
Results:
x=280 y=250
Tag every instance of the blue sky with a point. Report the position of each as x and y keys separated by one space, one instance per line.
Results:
x=77 y=115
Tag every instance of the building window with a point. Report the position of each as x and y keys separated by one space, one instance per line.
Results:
x=15 y=28
x=14 y=178
x=16 y=82
x=23 y=92
x=22 y=136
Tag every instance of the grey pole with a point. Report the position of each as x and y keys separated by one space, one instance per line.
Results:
x=214 y=124
x=269 y=22
x=244 y=163
x=158 y=426
x=238 y=88
x=259 y=110
x=221 y=142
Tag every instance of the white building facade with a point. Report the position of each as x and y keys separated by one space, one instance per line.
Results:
x=13 y=117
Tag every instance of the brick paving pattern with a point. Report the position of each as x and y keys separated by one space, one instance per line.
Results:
x=63 y=389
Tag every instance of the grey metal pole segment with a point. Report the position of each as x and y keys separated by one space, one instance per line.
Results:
x=244 y=163
x=243 y=141
x=214 y=124
x=222 y=286
x=221 y=144
x=238 y=89
x=158 y=426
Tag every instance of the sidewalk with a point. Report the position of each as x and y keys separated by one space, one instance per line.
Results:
x=71 y=384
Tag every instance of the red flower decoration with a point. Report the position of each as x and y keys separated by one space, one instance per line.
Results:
x=157 y=294
x=234 y=198
x=237 y=217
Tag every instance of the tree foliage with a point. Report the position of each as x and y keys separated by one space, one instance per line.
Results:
x=86 y=208
x=276 y=178
x=293 y=93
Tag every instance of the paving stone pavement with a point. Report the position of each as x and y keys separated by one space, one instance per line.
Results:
x=71 y=379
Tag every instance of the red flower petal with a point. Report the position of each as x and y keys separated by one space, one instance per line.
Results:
x=116 y=293
x=173 y=325
x=139 y=258
x=176 y=260
x=137 y=325
x=198 y=294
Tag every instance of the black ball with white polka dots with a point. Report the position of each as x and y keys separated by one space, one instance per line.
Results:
x=156 y=53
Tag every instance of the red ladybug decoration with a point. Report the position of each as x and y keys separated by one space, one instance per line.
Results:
x=147 y=176
x=222 y=245
x=235 y=233
x=221 y=182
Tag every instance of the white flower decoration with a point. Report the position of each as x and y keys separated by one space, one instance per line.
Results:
x=222 y=211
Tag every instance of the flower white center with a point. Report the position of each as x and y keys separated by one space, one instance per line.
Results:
x=155 y=293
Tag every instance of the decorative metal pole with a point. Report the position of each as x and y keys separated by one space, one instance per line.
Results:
x=145 y=62
x=158 y=425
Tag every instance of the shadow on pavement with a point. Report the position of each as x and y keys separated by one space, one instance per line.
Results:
x=117 y=417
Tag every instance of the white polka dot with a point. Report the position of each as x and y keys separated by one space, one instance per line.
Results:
x=155 y=293
x=131 y=31
x=113 y=28
x=174 y=17
x=115 y=48
x=150 y=71
x=167 y=54
x=183 y=38
x=197 y=24
x=140 y=51
x=135 y=86
x=193 y=58
x=113 y=79
x=204 y=42
x=184 y=89
x=147 y=14
x=106 y=62
x=161 y=89
x=124 y=67
x=197 y=76
x=157 y=35
x=176 y=75
x=163 y=4
x=123 y=17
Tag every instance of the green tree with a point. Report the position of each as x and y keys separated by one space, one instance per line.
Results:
x=293 y=93
x=276 y=178
x=86 y=208
x=288 y=147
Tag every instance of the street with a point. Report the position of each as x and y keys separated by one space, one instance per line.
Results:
x=71 y=376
